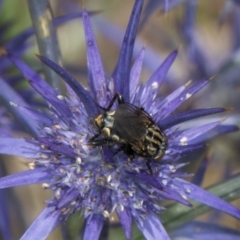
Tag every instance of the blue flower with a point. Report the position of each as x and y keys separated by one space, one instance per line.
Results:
x=96 y=180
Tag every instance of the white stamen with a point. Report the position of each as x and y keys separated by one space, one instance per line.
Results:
x=172 y=168
x=109 y=178
x=154 y=85
x=121 y=207
x=44 y=156
x=45 y=185
x=106 y=214
x=187 y=190
x=164 y=182
x=57 y=126
x=73 y=203
x=184 y=196
x=183 y=141
x=60 y=97
x=130 y=194
x=13 y=104
x=188 y=95
x=58 y=193
x=31 y=165
x=78 y=160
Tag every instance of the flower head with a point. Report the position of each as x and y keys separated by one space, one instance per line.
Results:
x=101 y=180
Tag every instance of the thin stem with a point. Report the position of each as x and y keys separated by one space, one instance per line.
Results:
x=45 y=31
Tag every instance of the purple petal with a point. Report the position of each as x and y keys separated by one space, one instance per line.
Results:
x=18 y=147
x=149 y=180
x=5 y=226
x=173 y=195
x=70 y=195
x=173 y=104
x=73 y=15
x=93 y=227
x=185 y=116
x=136 y=71
x=204 y=230
x=39 y=175
x=43 y=88
x=54 y=145
x=8 y=95
x=166 y=193
x=121 y=75
x=83 y=94
x=39 y=117
x=114 y=33
x=218 y=130
x=18 y=43
x=190 y=21
x=185 y=137
x=125 y=219
x=165 y=103
x=159 y=75
x=184 y=149
x=200 y=195
x=166 y=5
x=152 y=228
x=45 y=223
x=199 y=175
x=15 y=43
x=97 y=80
x=150 y=8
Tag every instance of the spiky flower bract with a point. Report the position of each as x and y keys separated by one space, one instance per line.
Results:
x=96 y=180
x=198 y=230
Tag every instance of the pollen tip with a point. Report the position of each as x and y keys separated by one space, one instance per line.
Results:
x=13 y=104
x=228 y=109
x=166 y=14
x=38 y=56
x=212 y=77
x=188 y=83
x=223 y=120
x=208 y=155
x=179 y=47
x=82 y=4
x=3 y=51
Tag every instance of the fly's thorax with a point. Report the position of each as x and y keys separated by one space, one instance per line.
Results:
x=104 y=120
x=108 y=120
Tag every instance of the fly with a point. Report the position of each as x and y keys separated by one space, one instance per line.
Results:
x=132 y=127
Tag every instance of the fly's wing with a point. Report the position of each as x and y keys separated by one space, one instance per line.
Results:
x=131 y=122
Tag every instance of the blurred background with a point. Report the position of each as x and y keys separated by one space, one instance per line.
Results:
x=207 y=34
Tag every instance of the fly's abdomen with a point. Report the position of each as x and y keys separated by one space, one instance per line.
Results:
x=153 y=145
x=156 y=142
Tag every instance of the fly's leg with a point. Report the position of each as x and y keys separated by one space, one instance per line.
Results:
x=119 y=150
x=149 y=166
x=99 y=142
x=94 y=137
x=118 y=97
x=127 y=150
